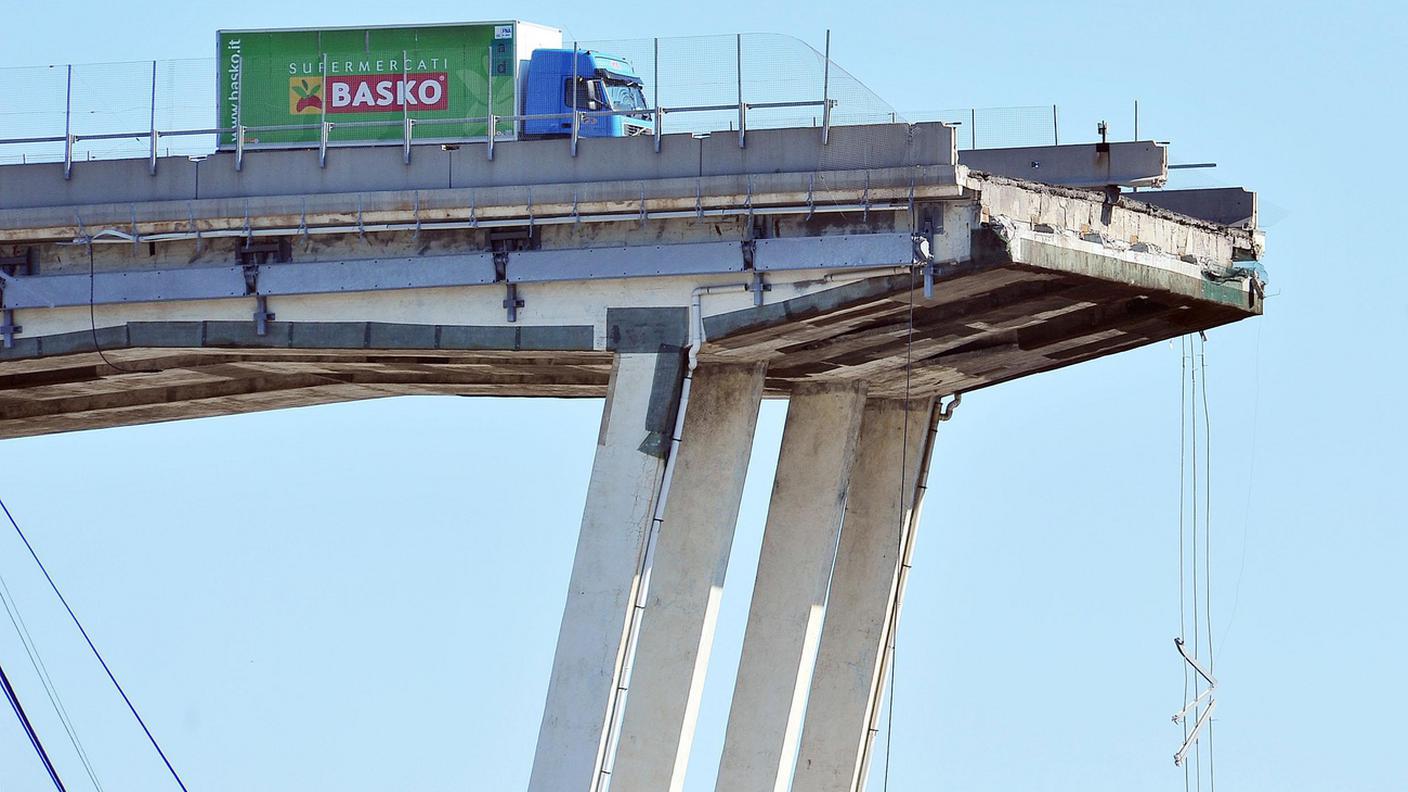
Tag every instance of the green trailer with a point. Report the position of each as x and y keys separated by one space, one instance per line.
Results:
x=369 y=85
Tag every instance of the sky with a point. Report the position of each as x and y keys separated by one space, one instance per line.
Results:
x=366 y=596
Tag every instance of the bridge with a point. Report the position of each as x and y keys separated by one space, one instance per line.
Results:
x=870 y=276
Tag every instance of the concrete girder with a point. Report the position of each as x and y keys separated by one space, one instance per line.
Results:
x=686 y=579
x=616 y=519
x=1142 y=163
x=785 y=617
x=848 y=678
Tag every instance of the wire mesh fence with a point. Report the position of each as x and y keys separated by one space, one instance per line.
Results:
x=695 y=84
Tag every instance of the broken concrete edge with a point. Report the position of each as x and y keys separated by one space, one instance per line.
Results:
x=1249 y=239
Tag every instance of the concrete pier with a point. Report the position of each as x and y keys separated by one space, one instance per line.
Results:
x=785 y=618
x=591 y=643
x=848 y=678
x=687 y=578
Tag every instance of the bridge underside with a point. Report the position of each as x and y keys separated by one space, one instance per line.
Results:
x=987 y=322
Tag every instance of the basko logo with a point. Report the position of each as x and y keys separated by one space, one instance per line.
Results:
x=367 y=93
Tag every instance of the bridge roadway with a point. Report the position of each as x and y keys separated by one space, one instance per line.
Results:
x=683 y=286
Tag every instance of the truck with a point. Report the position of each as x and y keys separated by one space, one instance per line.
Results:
x=360 y=86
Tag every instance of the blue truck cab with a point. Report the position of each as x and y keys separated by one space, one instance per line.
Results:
x=603 y=83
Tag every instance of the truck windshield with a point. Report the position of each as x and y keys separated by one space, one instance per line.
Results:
x=625 y=96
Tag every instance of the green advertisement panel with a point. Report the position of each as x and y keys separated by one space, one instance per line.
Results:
x=350 y=76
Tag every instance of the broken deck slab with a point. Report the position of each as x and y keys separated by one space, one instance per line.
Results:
x=815 y=273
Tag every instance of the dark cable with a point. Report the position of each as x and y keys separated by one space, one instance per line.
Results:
x=1207 y=534
x=132 y=708
x=29 y=730
x=93 y=321
x=31 y=649
x=1182 y=542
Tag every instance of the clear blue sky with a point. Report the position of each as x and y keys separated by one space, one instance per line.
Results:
x=366 y=596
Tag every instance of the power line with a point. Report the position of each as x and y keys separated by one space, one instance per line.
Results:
x=132 y=708
x=1207 y=535
x=36 y=660
x=29 y=730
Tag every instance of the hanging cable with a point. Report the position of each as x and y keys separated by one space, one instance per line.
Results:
x=29 y=730
x=1197 y=633
x=132 y=708
x=93 y=320
x=36 y=660
x=1193 y=398
x=1182 y=539
x=1207 y=534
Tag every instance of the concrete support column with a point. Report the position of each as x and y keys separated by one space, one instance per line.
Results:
x=848 y=679
x=626 y=473
x=686 y=579
x=789 y=598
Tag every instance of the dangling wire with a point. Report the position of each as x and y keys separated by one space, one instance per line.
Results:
x=28 y=727
x=1195 y=473
x=104 y=663
x=1182 y=538
x=31 y=649
x=1207 y=532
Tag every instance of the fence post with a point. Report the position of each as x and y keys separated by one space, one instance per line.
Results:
x=406 y=109
x=152 y=163
x=576 y=118
x=972 y=127
x=491 y=130
x=1136 y=119
x=742 y=108
x=68 y=124
x=826 y=92
x=659 y=116
x=1055 y=128
x=239 y=117
x=323 y=112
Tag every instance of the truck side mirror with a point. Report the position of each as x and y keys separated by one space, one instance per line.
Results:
x=593 y=97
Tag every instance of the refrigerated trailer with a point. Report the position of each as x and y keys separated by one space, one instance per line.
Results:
x=296 y=88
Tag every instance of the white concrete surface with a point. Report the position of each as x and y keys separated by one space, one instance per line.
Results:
x=847 y=679
x=686 y=579
x=789 y=598
x=590 y=644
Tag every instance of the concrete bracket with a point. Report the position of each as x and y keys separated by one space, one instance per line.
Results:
x=758 y=286
x=865 y=200
x=262 y=315
x=698 y=200
x=194 y=229
x=415 y=234
x=10 y=266
x=136 y=237
x=303 y=220
x=473 y=212
x=8 y=328
x=576 y=216
x=748 y=201
x=643 y=214
x=811 y=195
x=511 y=301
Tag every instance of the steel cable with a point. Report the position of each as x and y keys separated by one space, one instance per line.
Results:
x=130 y=706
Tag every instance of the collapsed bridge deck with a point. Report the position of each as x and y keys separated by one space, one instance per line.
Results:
x=213 y=291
